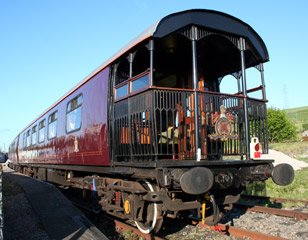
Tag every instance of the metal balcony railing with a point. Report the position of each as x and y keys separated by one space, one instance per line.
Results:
x=159 y=124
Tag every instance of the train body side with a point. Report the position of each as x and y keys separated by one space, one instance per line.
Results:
x=85 y=146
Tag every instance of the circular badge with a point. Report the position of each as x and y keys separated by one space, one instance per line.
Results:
x=223 y=126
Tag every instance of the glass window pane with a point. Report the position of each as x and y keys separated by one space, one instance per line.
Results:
x=73 y=120
x=34 y=135
x=52 y=117
x=42 y=135
x=79 y=100
x=140 y=83
x=24 y=140
x=69 y=107
x=28 y=138
x=122 y=91
x=52 y=128
x=42 y=124
x=33 y=138
x=41 y=132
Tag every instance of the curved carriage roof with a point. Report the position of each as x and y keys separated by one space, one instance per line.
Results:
x=214 y=20
x=209 y=19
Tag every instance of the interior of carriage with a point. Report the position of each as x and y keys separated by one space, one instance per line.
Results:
x=217 y=57
x=174 y=129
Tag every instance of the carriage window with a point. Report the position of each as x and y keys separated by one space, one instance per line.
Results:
x=73 y=114
x=28 y=138
x=140 y=83
x=52 y=125
x=41 y=132
x=34 y=135
x=24 y=141
x=121 y=91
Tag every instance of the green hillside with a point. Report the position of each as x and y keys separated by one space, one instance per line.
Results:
x=299 y=116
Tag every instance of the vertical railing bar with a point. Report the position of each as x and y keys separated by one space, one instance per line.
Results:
x=173 y=133
x=148 y=124
x=140 y=132
x=133 y=132
x=167 y=133
x=144 y=136
x=120 y=149
x=125 y=147
x=154 y=123
x=172 y=122
x=160 y=131
x=122 y=152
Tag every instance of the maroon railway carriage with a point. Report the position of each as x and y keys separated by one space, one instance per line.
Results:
x=151 y=131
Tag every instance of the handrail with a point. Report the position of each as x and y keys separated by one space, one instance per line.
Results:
x=173 y=89
x=237 y=95
x=253 y=89
x=158 y=129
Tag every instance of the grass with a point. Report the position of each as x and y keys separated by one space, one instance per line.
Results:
x=296 y=190
x=299 y=116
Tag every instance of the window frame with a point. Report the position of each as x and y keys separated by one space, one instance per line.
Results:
x=136 y=78
x=32 y=128
x=129 y=82
x=30 y=136
x=71 y=110
x=54 y=112
x=44 y=126
x=120 y=85
x=24 y=141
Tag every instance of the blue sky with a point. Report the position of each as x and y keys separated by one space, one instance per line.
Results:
x=48 y=46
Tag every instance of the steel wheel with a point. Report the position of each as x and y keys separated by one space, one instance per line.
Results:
x=151 y=219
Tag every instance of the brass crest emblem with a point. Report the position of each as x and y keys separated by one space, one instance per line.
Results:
x=223 y=125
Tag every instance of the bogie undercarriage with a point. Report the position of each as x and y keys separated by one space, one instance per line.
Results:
x=145 y=201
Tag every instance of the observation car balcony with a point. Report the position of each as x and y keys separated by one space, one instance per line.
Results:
x=158 y=123
x=167 y=99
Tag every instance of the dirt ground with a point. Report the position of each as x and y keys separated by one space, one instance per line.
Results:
x=20 y=221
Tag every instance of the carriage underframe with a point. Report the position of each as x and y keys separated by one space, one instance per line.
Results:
x=145 y=195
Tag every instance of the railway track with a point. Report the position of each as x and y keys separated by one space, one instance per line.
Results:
x=124 y=230
x=222 y=229
x=252 y=206
x=122 y=227
x=219 y=232
x=275 y=211
x=240 y=232
x=117 y=229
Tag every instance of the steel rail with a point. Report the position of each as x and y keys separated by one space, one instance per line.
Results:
x=241 y=233
x=275 y=211
x=121 y=226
